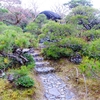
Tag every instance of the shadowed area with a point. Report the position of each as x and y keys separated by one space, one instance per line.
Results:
x=51 y=15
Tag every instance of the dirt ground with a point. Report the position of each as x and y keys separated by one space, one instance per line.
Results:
x=84 y=88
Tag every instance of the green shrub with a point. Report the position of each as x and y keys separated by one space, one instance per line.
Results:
x=22 y=71
x=6 y=42
x=22 y=42
x=55 y=31
x=41 y=20
x=35 y=27
x=74 y=43
x=3 y=10
x=54 y=52
x=91 y=34
x=90 y=67
x=31 y=63
x=15 y=28
x=92 y=49
x=4 y=27
x=24 y=81
x=4 y=62
x=11 y=38
x=66 y=52
x=33 y=41
x=51 y=52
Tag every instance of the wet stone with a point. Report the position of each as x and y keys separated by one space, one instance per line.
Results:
x=48 y=86
x=63 y=99
x=62 y=96
x=50 y=77
x=47 y=95
x=38 y=59
x=62 y=92
x=44 y=69
x=52 y=97
x=62 y=85
x=41 y=64
x=25 y=50
x=35 y=54
x=54 y=92
x=69 y=95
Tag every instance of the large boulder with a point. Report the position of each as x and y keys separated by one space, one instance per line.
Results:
x=51 y=15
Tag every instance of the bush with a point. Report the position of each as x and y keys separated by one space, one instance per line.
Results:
x=4 y=27
x=22 y=71
x=90 y=67
x=54 y=32
x=33 y=41
x=92 y=49
x=51 y=52
x=74 y=43
x=4 y=63
x=22 y=42
x=7 y=41
x=66 y=52
x=54 y=52
x=11 y=38
x=92 y=34
x=31 y=63
x=35 y=27
x=24 y=81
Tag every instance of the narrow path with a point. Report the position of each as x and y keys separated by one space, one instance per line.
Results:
x=55 y=88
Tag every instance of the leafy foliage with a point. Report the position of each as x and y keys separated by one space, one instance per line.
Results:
x=74 y=43
x=92 y=49
x=3 y=10
x=41 y=20
x=91 y=35
x=60 y=36
x=11 y=39
x=75 y=3
x=31 y=63
x=55 y=32
x=13 y=36
x=24 y=81
x=35 y=27
x=22 y=71
x=88 y=17
x=90 y=67
x=4 y=62
x=55 y=52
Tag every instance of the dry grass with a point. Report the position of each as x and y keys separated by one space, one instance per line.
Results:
x=70 y=73
x=8 y=91
x=39 y=90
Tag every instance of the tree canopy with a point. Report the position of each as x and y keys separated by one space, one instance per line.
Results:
x=86 y=16
x=75 y=3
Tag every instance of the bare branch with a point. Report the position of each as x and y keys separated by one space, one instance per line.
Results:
x=77 y=75
x=85 y=87
x=60 y=9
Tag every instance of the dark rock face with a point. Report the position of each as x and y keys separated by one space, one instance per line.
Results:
x=2 y=74
x=10 y=78
x=51 y=15
x=76 y=59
